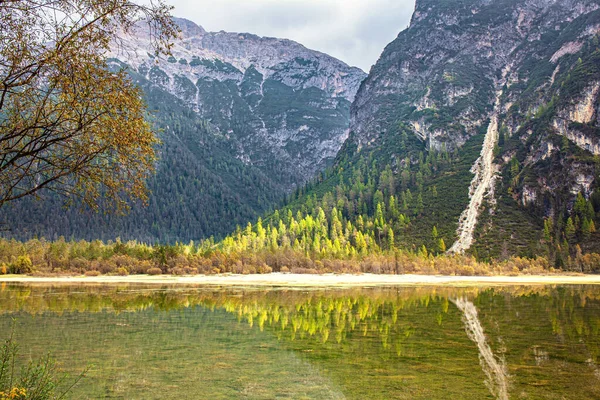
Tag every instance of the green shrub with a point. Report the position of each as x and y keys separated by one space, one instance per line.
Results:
x=22 y=265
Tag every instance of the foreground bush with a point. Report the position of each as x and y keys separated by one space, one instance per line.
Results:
x=39 y=380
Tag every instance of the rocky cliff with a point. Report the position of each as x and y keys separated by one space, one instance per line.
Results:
x=285 y=107
x=440 y=75
x=517 y=80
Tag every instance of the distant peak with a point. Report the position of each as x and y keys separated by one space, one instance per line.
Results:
x=189 y=28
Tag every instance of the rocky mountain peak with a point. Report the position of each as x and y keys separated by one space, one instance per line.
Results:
x=515 y=82
x=440 y=75
x=269 y=56
x=189 y=28
x=283 y=106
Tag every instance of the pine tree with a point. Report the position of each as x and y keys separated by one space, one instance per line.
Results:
x=379 y=221
x=274 y=245
x=390 y=237
x=548 y=230
x=580 y=206
x=261 y=233
x=393 y=208
x=316 y=244
x=420 y=206
x=570 y=228
x=360 y=223
x=423 y=252
x=441 y=246
x=585 y=228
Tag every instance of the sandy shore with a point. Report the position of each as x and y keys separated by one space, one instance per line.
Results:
x=327 y=280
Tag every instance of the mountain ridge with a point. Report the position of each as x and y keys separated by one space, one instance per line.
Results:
x=422 y=79
x=233 y=143
x=481 y=120
x=240 y=82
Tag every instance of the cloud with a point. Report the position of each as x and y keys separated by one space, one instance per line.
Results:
x=355 y=31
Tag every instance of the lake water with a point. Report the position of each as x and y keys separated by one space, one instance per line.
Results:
x=165 y=342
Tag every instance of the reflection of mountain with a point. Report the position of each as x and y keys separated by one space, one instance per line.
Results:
x=493 y=367
x=360 y=341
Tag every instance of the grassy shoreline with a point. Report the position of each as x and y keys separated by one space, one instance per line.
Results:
x=312 y=280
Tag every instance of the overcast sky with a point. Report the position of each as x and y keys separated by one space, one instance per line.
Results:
x=355 y=31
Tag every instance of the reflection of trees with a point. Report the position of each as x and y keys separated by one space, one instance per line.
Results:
x=395 y=340
x=330 y=316
x=576 y=317
x=327 y=316
x=323 y=316
x=35 y=299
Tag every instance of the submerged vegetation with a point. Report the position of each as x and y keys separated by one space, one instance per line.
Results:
x=360 y=342
x=38 y=380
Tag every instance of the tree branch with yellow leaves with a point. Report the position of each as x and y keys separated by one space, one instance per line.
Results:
x=68 y=123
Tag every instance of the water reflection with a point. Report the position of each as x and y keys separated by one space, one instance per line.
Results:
x=493 y=367
x=417 y=342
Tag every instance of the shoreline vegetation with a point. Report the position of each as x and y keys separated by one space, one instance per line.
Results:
x=41 y=258
x=289 y=280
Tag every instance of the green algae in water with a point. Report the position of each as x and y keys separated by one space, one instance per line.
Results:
x=404 y=343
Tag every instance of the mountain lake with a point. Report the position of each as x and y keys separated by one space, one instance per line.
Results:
x=422 y=342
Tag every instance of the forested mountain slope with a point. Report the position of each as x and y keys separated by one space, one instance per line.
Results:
x=242 y=120
x=285 y=107
x=476 y=131
x=199 y=189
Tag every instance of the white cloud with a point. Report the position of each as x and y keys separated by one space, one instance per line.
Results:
x=355 y=31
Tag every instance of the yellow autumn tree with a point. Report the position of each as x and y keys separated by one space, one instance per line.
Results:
x=68 y=122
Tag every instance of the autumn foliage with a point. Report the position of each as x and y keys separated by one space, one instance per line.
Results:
x=40 y=257
x=70 y=123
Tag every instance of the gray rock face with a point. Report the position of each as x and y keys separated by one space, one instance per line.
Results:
x=283 y=106
x=523 y=74
x=441 y=74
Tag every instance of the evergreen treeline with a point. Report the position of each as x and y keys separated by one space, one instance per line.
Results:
x=363 y=215
x=199 y=190
x=400 y=196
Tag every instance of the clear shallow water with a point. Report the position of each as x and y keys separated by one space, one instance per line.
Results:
x=405 y=343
